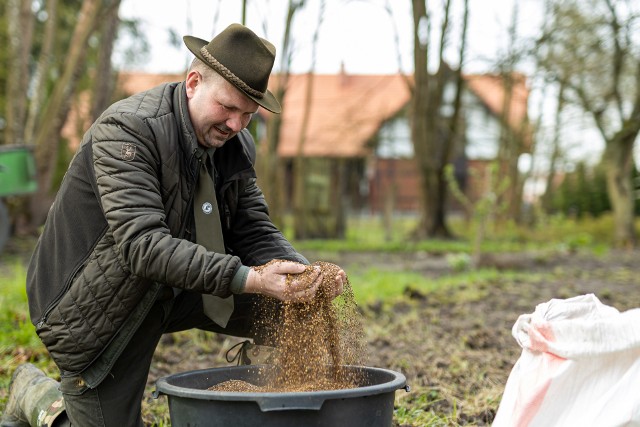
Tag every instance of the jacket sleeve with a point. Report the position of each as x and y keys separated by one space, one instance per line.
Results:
x=127 y=166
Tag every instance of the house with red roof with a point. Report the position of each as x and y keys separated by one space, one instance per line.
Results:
x=358 y=130
x=358 y=133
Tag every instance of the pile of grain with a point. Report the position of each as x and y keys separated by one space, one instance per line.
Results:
x=313 y=340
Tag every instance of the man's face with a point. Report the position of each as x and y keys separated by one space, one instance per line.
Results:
x=218 y=110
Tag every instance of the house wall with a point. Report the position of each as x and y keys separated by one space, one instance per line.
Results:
x=395 y=181
x=393 y=171
x=482 y=130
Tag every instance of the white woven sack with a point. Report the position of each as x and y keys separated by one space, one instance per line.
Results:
x=580 y=366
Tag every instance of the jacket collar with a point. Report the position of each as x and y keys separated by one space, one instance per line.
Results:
x=188 y=140
x=238 y=152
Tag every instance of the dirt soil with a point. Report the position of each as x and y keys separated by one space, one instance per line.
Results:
x=455 y=347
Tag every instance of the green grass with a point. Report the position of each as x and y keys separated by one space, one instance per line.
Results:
x=15 y=327
x=371 y=285
x=18 y=340
x=419 y=410
x=366 y=233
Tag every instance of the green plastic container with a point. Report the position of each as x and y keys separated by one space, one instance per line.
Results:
x=17 y=170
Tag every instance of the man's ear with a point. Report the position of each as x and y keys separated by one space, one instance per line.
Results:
x=192 y=81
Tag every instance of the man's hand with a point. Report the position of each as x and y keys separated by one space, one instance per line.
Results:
x=338 y=285
x=271 y=280
x=291 y=281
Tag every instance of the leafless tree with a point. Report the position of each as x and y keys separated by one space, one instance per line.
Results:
x=303 y=215
x=555 y=150
x=593 y=51
x=55 y=111
x=513 y=136
x=433 y=136
x=104 y=80
x=20 y=25
x=271 y=174
x=37 y=103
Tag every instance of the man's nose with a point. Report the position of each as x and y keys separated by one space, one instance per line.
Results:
x=234 y=122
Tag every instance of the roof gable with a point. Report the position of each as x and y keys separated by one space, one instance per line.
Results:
x=346 y=112
x=489 y=88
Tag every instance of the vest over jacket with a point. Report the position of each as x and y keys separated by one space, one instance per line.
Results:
x=121 y=226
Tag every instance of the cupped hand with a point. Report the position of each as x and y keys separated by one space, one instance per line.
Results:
x=271 y=280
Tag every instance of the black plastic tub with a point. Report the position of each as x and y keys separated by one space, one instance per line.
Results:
x=191 y=404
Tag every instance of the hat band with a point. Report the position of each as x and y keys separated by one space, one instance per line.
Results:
x=227 y=74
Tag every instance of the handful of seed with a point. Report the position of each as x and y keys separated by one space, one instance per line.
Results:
x=312 y=339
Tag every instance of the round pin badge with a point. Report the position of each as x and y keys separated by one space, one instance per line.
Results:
x=207 y=208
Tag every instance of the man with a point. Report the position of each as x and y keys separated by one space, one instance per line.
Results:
x=124 y=256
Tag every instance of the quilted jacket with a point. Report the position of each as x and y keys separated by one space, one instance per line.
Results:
x=121 y=225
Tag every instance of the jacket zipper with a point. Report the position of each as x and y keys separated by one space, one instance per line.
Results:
x=67 y=285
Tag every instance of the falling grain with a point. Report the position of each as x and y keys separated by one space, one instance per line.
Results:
x=313 y=339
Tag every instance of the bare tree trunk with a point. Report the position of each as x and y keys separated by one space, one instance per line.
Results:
x=510 y=140
x=389 y=196
x=432 y=149
x=441 y=141
x=270 y=166
x=509 y=150
x=104 y=79
x=618 y=158
x=42 y=71
x=419 y=111
x=453 y=138
x=20 y=32
x=301 y=209
x=618 y=153
x=20 y=23
x=555 y=151
x=46 y=137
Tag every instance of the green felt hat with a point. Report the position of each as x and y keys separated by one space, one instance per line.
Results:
x=243 y=59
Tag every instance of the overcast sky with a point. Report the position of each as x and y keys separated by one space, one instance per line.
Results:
x=357 y=33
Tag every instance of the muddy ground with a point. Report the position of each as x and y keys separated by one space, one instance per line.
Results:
x=454 y=347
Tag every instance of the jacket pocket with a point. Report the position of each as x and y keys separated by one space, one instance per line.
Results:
x=45 y=333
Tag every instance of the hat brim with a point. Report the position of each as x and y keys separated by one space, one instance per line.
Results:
x=268 y=101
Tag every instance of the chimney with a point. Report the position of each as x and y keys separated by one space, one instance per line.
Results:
x=344 y=78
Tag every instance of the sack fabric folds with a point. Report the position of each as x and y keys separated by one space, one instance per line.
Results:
x=580 y=366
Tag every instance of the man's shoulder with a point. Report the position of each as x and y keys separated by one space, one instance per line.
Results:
x=139 y=112
x=153 y=102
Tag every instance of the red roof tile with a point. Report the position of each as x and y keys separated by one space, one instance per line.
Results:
x=348 y=110
x=132 y=82
x=346 y=113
